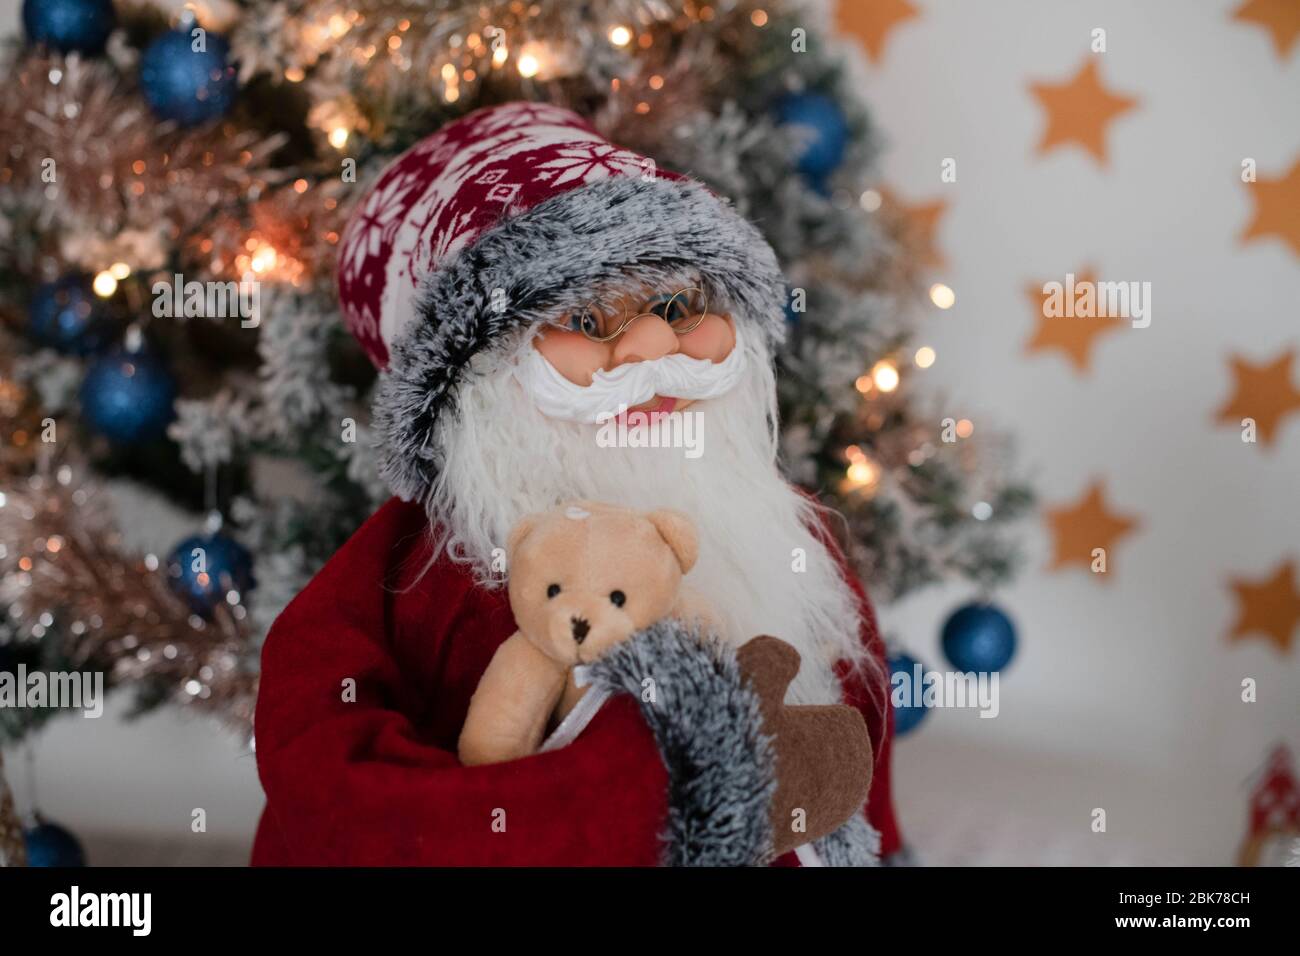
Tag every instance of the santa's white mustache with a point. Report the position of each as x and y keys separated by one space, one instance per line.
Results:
x=626 y=386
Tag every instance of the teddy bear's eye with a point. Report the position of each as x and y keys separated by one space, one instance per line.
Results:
x=617 y=598
x=553 y=590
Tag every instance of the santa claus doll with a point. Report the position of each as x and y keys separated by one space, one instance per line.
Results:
x=521 y=282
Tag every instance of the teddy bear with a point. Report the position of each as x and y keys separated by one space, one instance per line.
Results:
x=582 y=578
x=586 y=577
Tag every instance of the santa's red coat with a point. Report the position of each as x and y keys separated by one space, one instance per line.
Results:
x=372 y=779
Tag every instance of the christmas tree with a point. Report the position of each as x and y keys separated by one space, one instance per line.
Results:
x=174 y=185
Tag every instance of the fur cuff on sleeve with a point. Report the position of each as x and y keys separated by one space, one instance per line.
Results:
x=856 y=843
x=708 y=725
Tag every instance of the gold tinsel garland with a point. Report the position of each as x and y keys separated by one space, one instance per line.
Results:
x=83 y=155
x=62 y=566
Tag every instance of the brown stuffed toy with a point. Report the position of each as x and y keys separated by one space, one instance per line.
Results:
x=582 y=578
x=823 y=751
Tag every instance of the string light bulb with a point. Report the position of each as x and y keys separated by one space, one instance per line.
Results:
x=942 y=296
x=620 y=36
x=885 y=375
x=264 y=259
x=924 y=357
x=862 y=473
x=104 y=284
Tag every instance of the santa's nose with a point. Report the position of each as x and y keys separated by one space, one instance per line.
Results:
x=646 y=339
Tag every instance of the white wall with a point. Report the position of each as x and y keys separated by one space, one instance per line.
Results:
x=1133 y=677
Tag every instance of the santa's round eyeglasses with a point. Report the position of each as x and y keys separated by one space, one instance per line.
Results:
x=683 y=311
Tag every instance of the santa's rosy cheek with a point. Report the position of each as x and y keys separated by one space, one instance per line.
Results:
x=712 y=339
x=572 y=354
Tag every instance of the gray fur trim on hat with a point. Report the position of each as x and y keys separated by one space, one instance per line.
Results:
x=708 y=725
x=553 y=259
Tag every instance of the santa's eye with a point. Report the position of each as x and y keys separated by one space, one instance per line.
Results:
x=553 y=590
x=617 y=598
x=683 y=310
x=586 y=322
x=671 y=308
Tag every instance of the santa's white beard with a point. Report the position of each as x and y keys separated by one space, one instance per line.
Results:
x=760 y=568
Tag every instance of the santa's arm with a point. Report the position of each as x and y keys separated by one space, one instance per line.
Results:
x=349 y=781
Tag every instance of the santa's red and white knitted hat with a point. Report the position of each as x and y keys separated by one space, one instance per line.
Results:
x=510 y=216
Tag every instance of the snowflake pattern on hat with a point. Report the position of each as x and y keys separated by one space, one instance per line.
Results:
x=444 y=192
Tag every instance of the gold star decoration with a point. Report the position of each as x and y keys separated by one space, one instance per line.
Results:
x=1079 y=111
x=1270 y=607
x=1277 y=207
x=1072 y=334
x=1080 y=528
x=871 y=21
x=1281 y=18
x=1262 y=392
x=919 y=227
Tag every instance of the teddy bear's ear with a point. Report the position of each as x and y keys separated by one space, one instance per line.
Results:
x=522 y=529
x=679 y=531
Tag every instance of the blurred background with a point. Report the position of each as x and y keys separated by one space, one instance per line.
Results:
x=1018 y=145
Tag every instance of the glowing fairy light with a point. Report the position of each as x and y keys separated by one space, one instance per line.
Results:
x=885 y=376
x=862 y=474
x=105 y=284
x=620 y=36
x=924 y=357
x=264 y=259
x=942 y=296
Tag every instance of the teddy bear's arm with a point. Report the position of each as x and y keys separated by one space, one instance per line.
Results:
x=510 y=709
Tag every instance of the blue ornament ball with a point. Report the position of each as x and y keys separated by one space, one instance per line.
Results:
x=127 y=397
x=979 y=638
x=67 y=315
x=204 y=567
x=70 y=26
x=792 y=316
x=908 y=715
x=49 y=844
x=187 y=85
x=820 y=119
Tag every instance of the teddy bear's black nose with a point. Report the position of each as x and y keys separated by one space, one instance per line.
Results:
x=580 y=628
